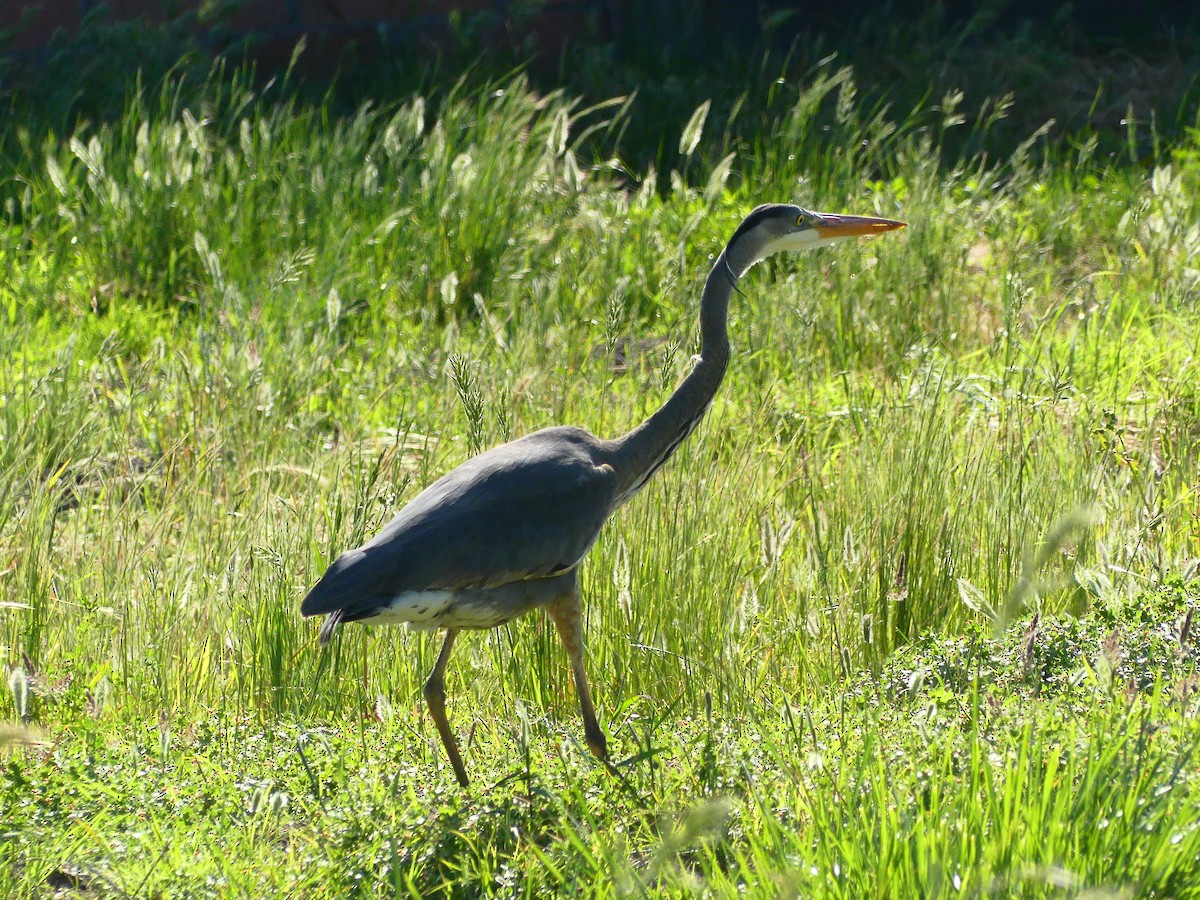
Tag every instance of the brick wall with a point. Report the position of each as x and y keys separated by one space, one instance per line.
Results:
x=31 y=23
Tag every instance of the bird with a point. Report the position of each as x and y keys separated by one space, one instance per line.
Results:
x=505 y=532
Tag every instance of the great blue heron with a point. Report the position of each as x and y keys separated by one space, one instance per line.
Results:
x=505 y=532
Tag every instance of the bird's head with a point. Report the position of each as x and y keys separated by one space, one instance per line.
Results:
x=775 y=227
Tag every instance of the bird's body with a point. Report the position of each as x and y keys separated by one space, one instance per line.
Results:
x=483 y=544
x=505 y=532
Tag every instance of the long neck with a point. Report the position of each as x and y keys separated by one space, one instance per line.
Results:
x=641 y=452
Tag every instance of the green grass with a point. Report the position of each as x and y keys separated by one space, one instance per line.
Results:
x=241 y=333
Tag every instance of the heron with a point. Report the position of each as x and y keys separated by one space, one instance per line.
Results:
x=505 y=532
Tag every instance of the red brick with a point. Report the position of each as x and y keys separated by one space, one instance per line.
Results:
x=259 y=15
x=360 y=12
x=332 y=22
x=36 y=21
x=128 y=10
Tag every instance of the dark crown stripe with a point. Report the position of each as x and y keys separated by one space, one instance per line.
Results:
x=756 y=217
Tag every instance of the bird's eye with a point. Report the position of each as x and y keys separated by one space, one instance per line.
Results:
x=803 y=220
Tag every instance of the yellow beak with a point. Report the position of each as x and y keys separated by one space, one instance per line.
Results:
x=833 y=226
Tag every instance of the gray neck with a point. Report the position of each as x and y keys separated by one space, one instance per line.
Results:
x=641 y=452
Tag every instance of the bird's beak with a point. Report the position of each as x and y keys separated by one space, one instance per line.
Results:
x=833 y=227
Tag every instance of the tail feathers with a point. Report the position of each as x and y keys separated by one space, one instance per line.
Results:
x=343 y=582
x=339 y=595
x=329 y=626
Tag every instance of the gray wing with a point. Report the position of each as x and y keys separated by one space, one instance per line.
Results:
x=530 y=508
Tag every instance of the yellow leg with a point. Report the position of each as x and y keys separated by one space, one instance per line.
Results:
x=435 y=699
x=567 y=616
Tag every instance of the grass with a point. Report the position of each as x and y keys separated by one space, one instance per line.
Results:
x=243 y=331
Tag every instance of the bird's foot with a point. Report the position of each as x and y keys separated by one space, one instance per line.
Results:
x=598 y=744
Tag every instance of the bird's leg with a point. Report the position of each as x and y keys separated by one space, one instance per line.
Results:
x=435 y=699
x=567 y=616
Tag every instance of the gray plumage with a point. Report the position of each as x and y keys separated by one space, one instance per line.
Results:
x=524 y=511
x=505 y=532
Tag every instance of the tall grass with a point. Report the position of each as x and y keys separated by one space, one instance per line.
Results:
x=223 y=320
x=241 y=335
